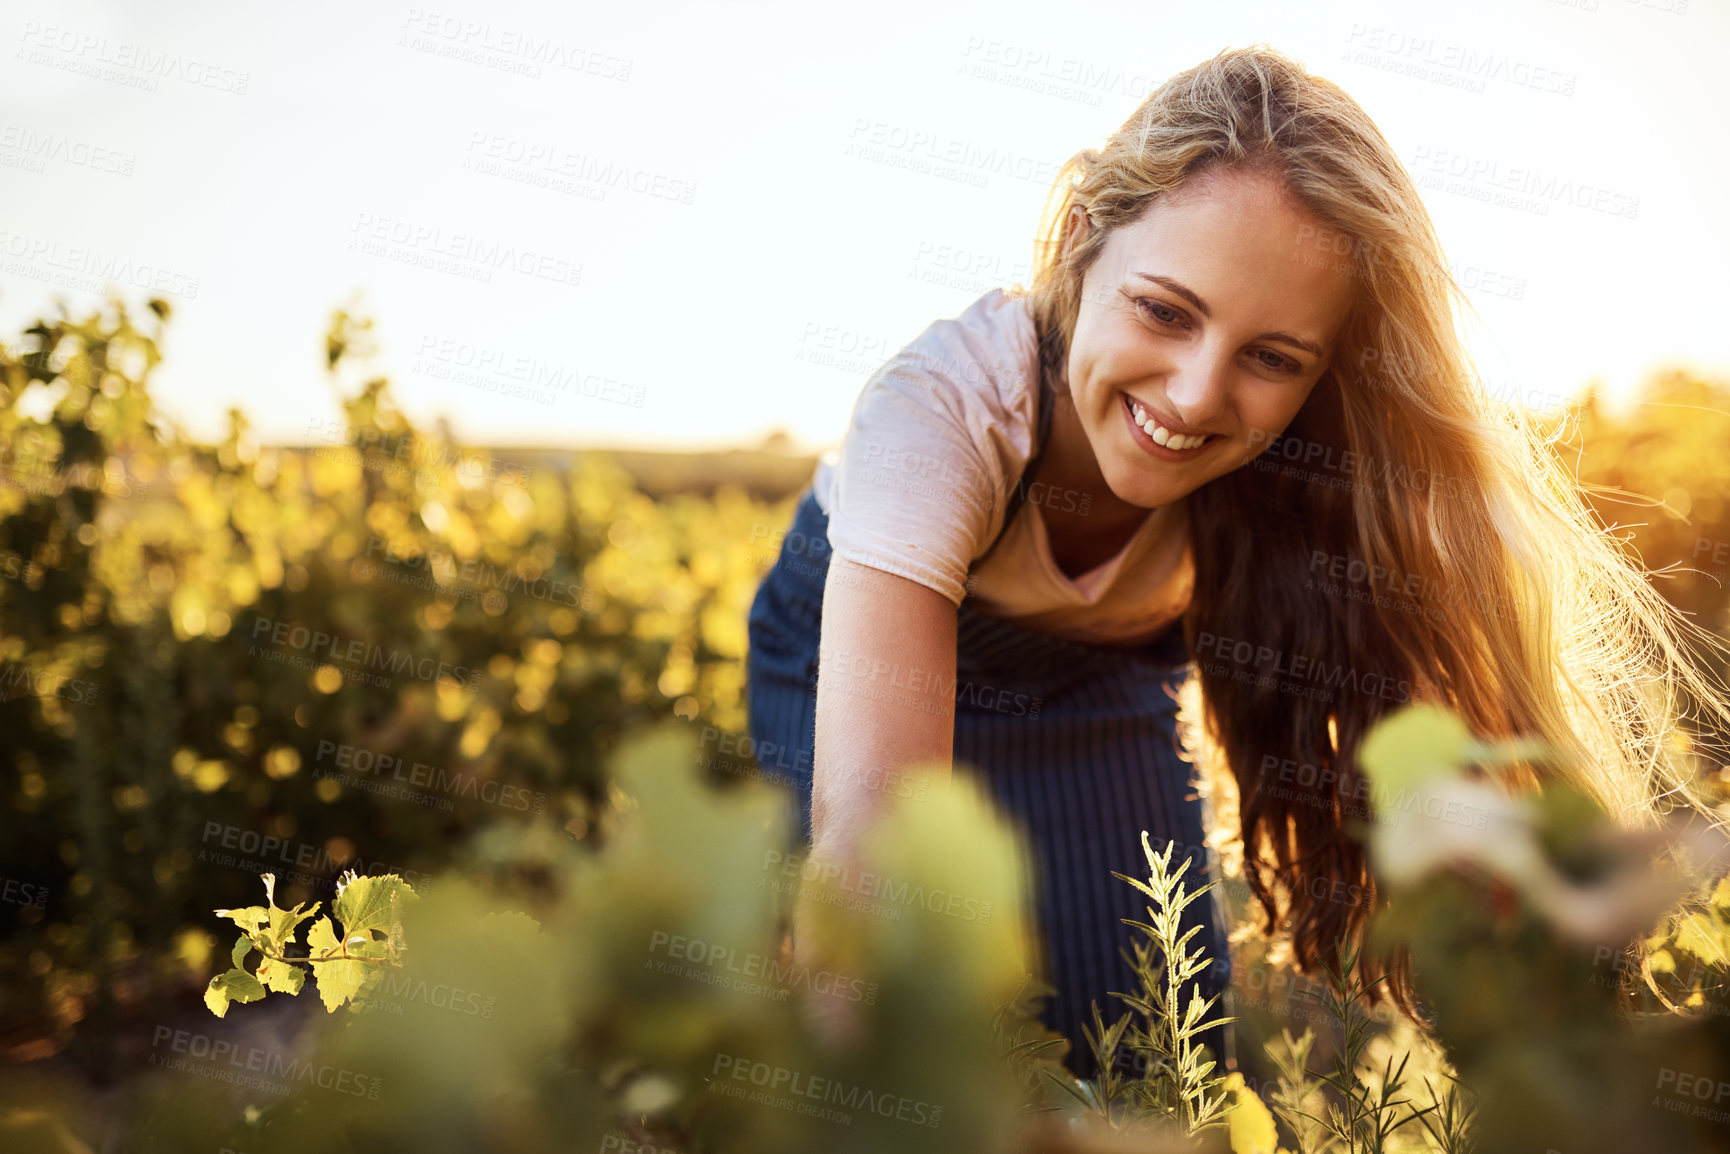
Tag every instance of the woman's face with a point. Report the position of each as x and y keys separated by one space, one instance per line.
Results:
x=1204 y=325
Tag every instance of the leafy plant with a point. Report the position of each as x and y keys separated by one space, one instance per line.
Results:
x=1449 y=1121
x=1362 y=1117
x=369 y=910
x=159 y=729
x=1176 y=1089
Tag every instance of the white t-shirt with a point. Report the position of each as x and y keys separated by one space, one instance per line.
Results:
x=919 y=485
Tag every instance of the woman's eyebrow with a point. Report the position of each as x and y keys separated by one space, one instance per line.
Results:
x=1306 y=346
x=1188 y=294
x=1180 y=289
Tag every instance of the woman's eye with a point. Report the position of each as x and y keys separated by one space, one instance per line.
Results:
x=1159 y=311
x=1272 y=360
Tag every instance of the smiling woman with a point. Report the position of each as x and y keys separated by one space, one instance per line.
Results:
x=1156 y=370
x=1244 y=274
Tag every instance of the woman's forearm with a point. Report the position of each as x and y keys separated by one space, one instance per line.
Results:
x=885 y=698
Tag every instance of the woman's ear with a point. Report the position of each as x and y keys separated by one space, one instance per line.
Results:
x=1078 y=226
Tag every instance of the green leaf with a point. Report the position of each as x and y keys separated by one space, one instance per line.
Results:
x=1699 y=935
x=366 y=905
x=1413 y=745
x=234 y=986
x=282 y=977
x=251 y=919
x=1721 y=894
x=283 y=924
x=341 y=980
x=242 y=947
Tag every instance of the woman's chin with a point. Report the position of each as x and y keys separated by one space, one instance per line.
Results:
x=1147 y=492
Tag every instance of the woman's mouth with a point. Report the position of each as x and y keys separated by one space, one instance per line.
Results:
x=1156 y=438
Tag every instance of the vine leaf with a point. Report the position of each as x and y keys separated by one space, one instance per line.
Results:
x=365 y=905
x=234 y=986
x=340 y=979
x=283 y=923
x=343 y=967
x=251 y=919
x=283 y=977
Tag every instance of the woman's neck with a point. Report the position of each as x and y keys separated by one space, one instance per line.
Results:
x=1085 y=522
x=1069 y=464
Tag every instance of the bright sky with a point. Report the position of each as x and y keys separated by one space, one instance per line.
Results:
x=709 y=219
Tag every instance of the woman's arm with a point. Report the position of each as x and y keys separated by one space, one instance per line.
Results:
x=885 y=696
x=885 y=699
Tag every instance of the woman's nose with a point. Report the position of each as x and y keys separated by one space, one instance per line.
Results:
x=1197 y=385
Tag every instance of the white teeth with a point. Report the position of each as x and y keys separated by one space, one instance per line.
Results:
x=1160 y=434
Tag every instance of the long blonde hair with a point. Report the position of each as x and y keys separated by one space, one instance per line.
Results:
x=1477 y=576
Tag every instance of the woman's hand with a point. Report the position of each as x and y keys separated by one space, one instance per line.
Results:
x=818 y=967
x=885 y=702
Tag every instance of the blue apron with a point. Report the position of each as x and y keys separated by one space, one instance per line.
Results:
x=1083 y=777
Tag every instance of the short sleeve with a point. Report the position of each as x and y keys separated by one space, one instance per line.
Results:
x=920 y=473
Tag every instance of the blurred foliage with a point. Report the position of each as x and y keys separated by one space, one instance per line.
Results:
x=636 y=988
x=164 y=743
x=392 y=654
x=1519 y=912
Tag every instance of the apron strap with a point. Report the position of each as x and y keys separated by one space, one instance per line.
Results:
x=1042 y=431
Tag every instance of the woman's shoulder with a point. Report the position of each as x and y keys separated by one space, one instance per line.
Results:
x=938 y=435
x=977 y=367
x=990 y=342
